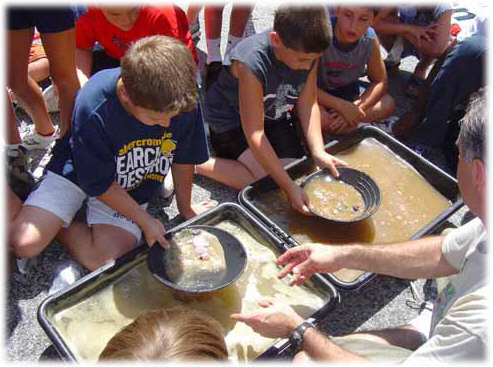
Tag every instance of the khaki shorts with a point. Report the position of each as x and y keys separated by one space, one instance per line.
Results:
x=63 y=198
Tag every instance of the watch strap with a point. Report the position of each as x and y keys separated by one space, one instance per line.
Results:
x=296 y=338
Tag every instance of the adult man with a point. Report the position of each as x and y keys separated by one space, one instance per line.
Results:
x=459 y=321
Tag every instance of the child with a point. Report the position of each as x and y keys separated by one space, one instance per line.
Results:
x=421 y=31
x=174 y=334
x=354 y=50
x=115 y=28
x=268 y=80
x=124 y=139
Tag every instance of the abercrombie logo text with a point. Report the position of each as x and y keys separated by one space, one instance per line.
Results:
x=144 y=159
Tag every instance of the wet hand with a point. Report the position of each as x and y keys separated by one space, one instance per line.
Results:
x=298 y=200
x=325 y=160
x=154 y=232
x=306 y=260
x=276 y=320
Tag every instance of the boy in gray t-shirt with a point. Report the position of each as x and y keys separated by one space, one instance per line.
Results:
x=354 y=52
x=265 y=94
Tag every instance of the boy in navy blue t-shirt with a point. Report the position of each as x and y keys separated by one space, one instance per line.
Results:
x=129 y=127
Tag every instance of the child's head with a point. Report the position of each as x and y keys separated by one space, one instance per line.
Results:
x=352 y=22
x=122 y=17
x=301 y=34
x=168 y=334
x=158 y=76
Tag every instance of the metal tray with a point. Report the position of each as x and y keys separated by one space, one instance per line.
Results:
x=440 y=180
x=110 y=273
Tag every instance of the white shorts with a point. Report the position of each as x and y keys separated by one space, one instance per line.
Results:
x=63 y=198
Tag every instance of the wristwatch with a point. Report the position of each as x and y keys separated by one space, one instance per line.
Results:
x=296 y=337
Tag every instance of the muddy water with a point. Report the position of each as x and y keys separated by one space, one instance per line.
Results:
x=88 y=325
x=409 y=202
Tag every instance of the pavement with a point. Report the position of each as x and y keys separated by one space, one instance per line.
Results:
x=379 y=304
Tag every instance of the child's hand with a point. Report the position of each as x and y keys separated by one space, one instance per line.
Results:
x=298 y=200
x=325 y=160
x=352 y=113
x=154 y=231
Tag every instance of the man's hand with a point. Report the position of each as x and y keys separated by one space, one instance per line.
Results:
x=154 y=230
x=278 y=320
x=325 y=160
x=306 y=260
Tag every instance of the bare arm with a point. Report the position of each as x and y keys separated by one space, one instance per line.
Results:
x=378 y=79
x=413 y=259
x=309 y=115
x=252 y=121
x=120 y=201
x=83 y=61
x=182 y=180
x=438 y=44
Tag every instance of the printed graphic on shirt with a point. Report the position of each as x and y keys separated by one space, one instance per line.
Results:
x=334 y=70
x=144 y=159
x=120 y=43
x=282 y=103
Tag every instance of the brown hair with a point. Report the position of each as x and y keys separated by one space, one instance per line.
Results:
x=158 y=73
x=168 y=334
x=303 y=28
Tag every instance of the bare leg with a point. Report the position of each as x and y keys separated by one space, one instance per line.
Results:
x=39 y=70
x=422 y=67
x=239 y=18
x=381 y=110
x=24 y=87
x=226 y=171
x=93 y=247
x=13 y=136
x=213 y=16
x=60 y=50
x=193 y=12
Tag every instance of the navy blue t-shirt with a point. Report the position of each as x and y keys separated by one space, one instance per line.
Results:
x=107 y=144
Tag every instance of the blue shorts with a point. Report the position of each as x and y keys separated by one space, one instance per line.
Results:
x=45 y=19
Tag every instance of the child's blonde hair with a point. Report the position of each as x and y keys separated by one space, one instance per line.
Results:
x=158 y=74
x=168 y=334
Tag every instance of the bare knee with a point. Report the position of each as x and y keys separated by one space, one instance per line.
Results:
x=26 y=241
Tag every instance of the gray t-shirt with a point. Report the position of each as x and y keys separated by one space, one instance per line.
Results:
x=281 y=85
x=342 y=65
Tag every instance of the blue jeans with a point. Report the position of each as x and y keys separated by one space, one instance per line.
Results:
x=461 y=74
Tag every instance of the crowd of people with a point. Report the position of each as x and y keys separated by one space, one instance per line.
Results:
x=125 y=81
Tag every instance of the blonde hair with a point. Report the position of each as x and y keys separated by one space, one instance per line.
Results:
x=158 y=74
x=168 y=334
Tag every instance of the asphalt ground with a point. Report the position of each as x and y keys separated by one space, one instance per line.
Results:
x=379 y=304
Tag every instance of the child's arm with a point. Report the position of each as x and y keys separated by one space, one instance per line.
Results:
x=351 y=112
x=378 y=79
x=252 y=121
x=309 y=115
x=120 y=201
x=83 y=61
x=182 y=181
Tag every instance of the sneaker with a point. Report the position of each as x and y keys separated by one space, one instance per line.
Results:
x=32 y=140
x=51 y=99
x=66 y=274
x=20 y=180
x=167 y=188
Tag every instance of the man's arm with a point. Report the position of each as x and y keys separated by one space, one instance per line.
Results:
x=120 y=201
x=422 y=258
x=279 y=320
x=309 y=115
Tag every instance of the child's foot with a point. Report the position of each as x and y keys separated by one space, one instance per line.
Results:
x=204 y=206
x=31 y=139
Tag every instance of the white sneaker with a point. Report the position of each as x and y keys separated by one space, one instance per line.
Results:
x=66 y=273
x=51 y=99
x=167 y=188
x=395 y=53
x=32 y=140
